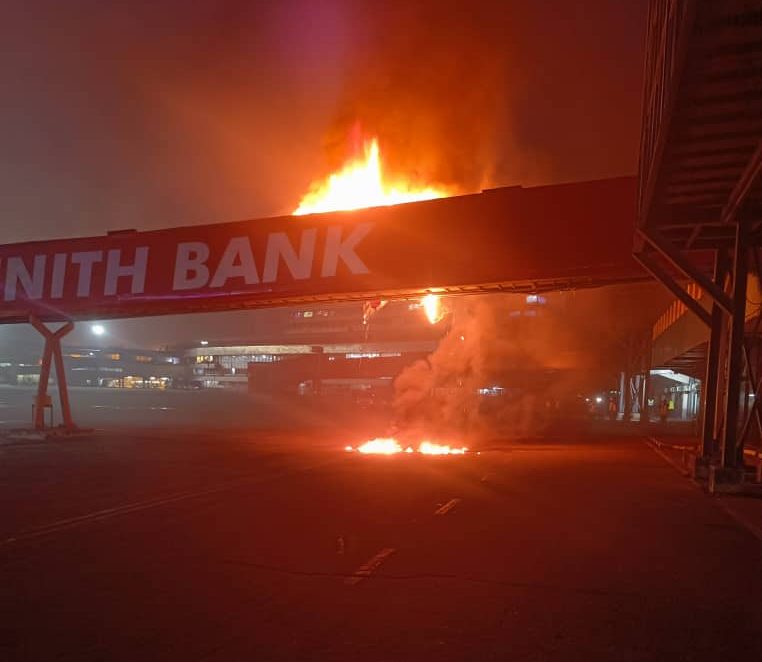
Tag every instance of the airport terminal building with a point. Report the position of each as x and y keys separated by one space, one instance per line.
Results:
x=349 y=350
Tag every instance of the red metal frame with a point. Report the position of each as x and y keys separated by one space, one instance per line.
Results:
x=52 y=354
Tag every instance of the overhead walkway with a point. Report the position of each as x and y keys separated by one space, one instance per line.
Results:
x=509 y=239
x=502 y=240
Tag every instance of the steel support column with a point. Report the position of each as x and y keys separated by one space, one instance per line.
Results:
x=665 y=278
x=646 y=382
x=633 y=403
x=732 y=450
x=752 y=391
x=711 y=380
x=624 y=385
x=52 y=353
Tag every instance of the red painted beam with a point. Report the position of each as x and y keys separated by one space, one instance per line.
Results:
x=509 y=238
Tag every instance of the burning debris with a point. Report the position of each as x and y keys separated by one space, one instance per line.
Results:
x=432 y=306
x=429 y=448
x=390 y=446
x=378 y=447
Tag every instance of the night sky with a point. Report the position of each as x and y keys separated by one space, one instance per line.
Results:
x=156 y=114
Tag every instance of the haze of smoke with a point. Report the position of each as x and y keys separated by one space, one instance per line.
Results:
x=434 y=81
x=545 y=357
x=439 y=396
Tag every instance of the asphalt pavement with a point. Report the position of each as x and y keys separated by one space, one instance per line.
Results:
x=267 y=545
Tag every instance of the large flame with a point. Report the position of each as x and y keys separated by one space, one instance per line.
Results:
x=362 y=183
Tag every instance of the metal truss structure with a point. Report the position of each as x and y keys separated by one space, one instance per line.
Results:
x=701 y=195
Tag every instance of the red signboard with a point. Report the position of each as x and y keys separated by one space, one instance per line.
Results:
x=511 y=239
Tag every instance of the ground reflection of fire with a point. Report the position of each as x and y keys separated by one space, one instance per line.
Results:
x=390 y=446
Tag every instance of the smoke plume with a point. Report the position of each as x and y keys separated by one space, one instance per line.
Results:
x=545 y=353
x=431 y=80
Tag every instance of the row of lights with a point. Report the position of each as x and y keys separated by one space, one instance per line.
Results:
x=100 y=330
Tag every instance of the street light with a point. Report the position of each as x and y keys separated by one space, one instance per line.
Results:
x=98 y=329
x=204 y=342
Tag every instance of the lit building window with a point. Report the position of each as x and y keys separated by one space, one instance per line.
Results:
x=263 y=358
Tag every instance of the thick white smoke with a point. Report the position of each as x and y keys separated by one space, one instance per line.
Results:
x=546 y=353
x=488 y=344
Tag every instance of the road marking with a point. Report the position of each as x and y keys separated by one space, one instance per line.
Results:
x=656 y=448
x=369 y=567
x=447 y=507
x=64 y=524
x=108 y=513
x=739 y=518
x=676 y=447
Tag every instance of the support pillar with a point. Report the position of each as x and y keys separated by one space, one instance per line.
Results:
x=732 y=450
x=624 y=384
x=710 y=391
x=634 y=407
x=646 y=383
x=52 y=354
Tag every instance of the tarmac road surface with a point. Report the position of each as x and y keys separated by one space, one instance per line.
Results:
x=268 y=545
